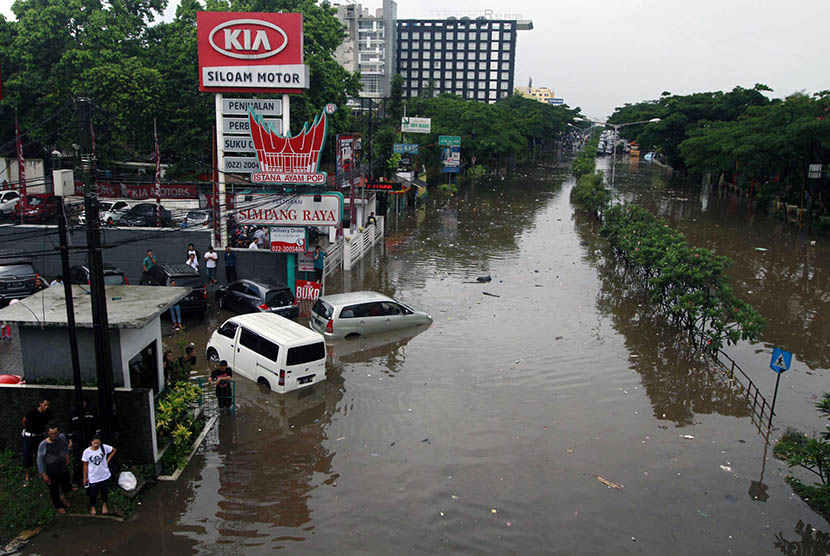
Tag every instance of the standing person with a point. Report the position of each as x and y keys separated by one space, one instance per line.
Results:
x=53 y=464
x=371 y=220
x=34 y=426
x=230 y=264
x=254 y=244
x=222 y=377
x=176 y=312
x=96 y=460
x=167 y=365
x=259 y=235
x=191 y=250
x=148 y=264
x=84 y=425
x=210 y=264
x=192 y=262
x=39 y=284
x=320 y=255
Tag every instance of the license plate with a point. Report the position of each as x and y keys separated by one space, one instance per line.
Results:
x=305 y=379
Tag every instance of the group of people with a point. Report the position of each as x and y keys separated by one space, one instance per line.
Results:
x=45 y=445
x=192 y=260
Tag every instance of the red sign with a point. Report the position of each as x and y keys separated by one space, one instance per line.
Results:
x=142 y=191
x=382 y=185
x=251 y=52
x=307 y=289
x=288 y=159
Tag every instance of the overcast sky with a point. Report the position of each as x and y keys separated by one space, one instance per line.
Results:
x=603 y=54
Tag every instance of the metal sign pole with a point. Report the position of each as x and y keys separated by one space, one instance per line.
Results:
x=220 y=162
x=774 y=396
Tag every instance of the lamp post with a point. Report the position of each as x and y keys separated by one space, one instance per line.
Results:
x=616 y=131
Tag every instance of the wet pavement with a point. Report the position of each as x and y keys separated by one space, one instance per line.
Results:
x=489 y=432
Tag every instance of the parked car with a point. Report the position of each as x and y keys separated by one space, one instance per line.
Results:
x=247 y=296
x=349 y=315
x=8 y=201
x=41 y=207
x=17 y=279
x=112 y=276
x=146 y=215
x=185 y=277
x=198 y=218
x=110 y=212
x=270 y=350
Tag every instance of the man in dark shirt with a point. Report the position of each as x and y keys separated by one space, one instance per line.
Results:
x=53 y=465
x=189 y=357
x=222 y=377
x=230 y=264
x=34 y=426
x=84 y=425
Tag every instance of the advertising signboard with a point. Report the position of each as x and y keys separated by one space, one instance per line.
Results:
x=288 y=160
x=451 y=159
x=239 y=145
x=142 y=191
x=242 y=126
x=383 y=185
x=348 y=153
x=269 y=209
x=556 y=101
x=305 y=262
x=251 y=52
x=307 y=290
x=240 y=106
x=405 y=148
x=415 y=125
x=449 y=140
x=241 y=164
x=287 y=240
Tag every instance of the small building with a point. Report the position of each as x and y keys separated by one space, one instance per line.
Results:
x=134 y=314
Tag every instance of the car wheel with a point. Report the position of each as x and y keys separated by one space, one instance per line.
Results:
x=352 y=336
x=262 y=381
x=213 y=356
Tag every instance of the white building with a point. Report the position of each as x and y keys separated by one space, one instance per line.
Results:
x=370 y=47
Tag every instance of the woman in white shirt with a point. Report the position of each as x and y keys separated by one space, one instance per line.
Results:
x=96 y=460
x=192 y=262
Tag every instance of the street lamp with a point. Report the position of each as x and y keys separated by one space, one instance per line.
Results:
x=616 y=130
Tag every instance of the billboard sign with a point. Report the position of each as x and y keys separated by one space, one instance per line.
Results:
x=251 y=52
x=263 y=106
x=405 y=148
x=305 y=262
x=449 y=141
x=556 y=101
x=288 y=160
x=307 y=289
x=270 y=209
x=287 y=240
x=242 y=126
x=383 y=185
x=416 y=125
x=348 y=152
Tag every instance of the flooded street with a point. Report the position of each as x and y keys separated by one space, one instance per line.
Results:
x=497 y=429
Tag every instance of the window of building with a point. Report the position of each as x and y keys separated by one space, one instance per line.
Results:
x=427 y=35
x=449 y=54
x=426 y=54
x=481 y=95
x=450 y=36
x=426 y=45
x=459 y=75
x=416 y=45
x=494 y=65
x=404 y=54
x=404 y=74
x=416 y=64
x=503 y=94
x=438 y=45
x=404 y=64
x=471 y=75
x=436 y=74
x=469 y=94
x=505 y=45
x=493 y=85
x=505 y=55
x=482 y=65
x=447 y=75
x=505 y=76
x=494 y=75
x=482 y=76
x=462 y=36
x=508 y=26
x=471 y=65
x=416 y=35
x=404 y=35
x=492 y=95
x=494 y=35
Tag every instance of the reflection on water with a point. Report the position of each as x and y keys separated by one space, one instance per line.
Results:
x=388 y=349
x=812 y=542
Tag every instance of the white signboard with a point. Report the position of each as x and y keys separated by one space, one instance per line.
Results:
x=259 y=77
x=268 y=209
x=234 y=144
x=287 y=240
x=240 y=106
x=416 y=125
x=814 y=171
x=241 y=164
x=242 y=126
x=305 y=262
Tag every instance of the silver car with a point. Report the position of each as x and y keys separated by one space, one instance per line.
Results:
x=349 y=315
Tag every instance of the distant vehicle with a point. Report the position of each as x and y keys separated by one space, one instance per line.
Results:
x=8 y=201
x=185 y=277
x=110 y=212
x=112 y=276
x=41 y=207
x=270 y=350
x=349 y=315
x=17 y=279
x=247 y=296
x=146 y=215
x=198 y=218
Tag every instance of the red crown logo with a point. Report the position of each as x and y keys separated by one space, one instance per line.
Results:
x=288 y=160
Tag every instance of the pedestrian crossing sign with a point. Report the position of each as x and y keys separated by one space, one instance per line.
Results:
x=780 y=361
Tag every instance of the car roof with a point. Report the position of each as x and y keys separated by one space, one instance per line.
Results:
x=262 y=285
x=339 y=299
x=269 y=325
x=107 y=267
x=178 y=269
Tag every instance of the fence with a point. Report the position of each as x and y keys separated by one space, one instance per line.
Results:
x=210 y=402
x=760 y=407
x=360 y=242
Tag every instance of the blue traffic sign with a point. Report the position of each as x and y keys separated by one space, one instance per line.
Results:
x=780 y=361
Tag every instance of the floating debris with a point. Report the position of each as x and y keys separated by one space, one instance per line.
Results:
x=608 y=483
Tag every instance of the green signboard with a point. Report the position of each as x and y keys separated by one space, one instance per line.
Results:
x=449 y=141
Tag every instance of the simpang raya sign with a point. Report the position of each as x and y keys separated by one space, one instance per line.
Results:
x=269 y=209
x=251 y=52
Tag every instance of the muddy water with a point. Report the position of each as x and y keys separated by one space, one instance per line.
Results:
x=489 y=432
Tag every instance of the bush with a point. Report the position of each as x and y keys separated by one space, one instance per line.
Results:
x=174 y=421
x=23 y=507
x=590 y=192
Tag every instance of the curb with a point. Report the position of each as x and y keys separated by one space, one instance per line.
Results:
x=196 y=444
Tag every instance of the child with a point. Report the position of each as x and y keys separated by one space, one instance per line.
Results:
x=96 y=460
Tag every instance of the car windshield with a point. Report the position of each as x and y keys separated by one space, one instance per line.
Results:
x=188 y=281
x=35 y=201
x=105 y=205
x=279 y=298
x=16 y=269
x=323 y=309
x=193 y=215
x=114 y=279
x=142 y=209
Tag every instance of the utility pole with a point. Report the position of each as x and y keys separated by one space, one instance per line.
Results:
x=100 y=321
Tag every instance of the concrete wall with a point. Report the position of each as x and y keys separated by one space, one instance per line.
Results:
x=135 y=418
x=133 y=340
x=46 y=353
x=168 y=245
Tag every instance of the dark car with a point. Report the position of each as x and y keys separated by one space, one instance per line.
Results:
x=146 y=215
x=112 y=276
x=17 y=279
x=41 y=207
x=185 y=277
x=247 y=296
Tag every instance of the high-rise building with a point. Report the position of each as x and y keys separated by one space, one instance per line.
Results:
x=474 y=58
x=369 y=47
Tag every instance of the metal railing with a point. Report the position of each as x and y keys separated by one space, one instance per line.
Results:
x=760 y=407
x=361 y=241
x=212 y=404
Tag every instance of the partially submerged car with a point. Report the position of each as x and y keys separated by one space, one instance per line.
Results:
x=349 y=315
x=247 y=296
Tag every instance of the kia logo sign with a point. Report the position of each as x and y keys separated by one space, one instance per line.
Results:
x=248 y=39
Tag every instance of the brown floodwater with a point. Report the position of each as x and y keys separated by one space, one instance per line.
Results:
x=498 y=429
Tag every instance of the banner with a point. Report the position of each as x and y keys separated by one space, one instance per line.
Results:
x=287 y=240
x=307 y=289
x=142 y=191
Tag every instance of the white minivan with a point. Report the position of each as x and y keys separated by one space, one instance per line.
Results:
x=271 y=350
